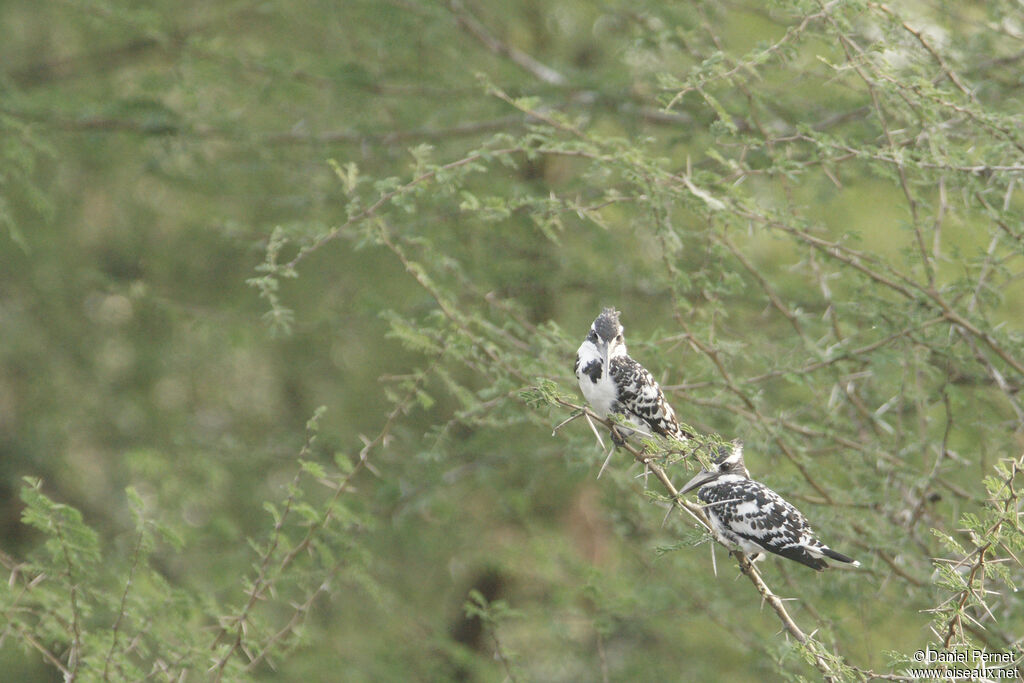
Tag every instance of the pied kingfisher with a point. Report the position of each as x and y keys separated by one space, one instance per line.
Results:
x=612 y=382
x=747 y=514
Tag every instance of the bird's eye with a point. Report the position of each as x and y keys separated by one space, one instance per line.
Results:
x=592 y=336
x=618 y=338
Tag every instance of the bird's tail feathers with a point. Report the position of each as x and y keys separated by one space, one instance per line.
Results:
x=839 y=557
x=803 y=556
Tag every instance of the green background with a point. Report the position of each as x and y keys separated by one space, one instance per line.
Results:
x=808 y=213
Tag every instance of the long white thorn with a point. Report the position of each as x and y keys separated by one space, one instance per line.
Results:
x=644 y=474
x=566 y=421
x=593 y=428
x=606 y=461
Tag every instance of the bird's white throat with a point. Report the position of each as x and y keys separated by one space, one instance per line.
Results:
x=600 y=392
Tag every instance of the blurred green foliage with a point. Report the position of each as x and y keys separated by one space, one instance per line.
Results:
x=216 y=218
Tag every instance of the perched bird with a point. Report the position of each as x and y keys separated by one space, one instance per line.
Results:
x=612 y=382
x=747 y=514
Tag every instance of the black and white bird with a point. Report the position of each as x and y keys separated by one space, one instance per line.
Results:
x=612 y=382
x=747 y=514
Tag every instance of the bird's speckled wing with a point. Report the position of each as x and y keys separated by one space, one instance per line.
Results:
x=639 y=396
x=753 y=512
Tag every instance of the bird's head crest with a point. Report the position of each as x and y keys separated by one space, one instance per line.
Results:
x=607 y=324
x=728 y=460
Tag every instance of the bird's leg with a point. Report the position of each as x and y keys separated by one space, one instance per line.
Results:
x=748 y=565
x=744 y=562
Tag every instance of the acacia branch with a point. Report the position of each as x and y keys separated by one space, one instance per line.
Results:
x=427 y=176
x=49 y=656
x=298 y=616
x=713 y=354
x=446 y=308
x=989 y=537
x=856 y=260
x=746 y=566
x=122 y=609
x=75 y=653
x=388 y=196
x=792 y=32
x=919 y=35
x=172 y=126
x=264 y=581
x=524 y=61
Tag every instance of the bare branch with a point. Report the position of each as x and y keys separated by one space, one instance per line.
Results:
x=524 y=61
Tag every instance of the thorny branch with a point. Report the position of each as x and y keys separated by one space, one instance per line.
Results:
x=75 y=654
x=895 y=150
x=524 y=61
x=122 y=609
x=926 y=44
x=427 y=176
x=745 y=565
x=791 y=34
x=387 y=197
x=173 y=127
x=974 y=583
x=264 y=581
x=442 y=302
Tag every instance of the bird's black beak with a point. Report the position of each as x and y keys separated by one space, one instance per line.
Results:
x=699 y=480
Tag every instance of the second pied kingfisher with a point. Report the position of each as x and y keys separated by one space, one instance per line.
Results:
x=748 y=515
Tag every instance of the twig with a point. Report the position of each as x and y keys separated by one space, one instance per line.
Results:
x=524 y=61
x=50 y=657
x=75 y=653
x=262 y=584
x=791 y=33
x=115 y=631
x=554 y=430
x=388 y=196
x=747 y=567
x=947 y=71
x=499 y=652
